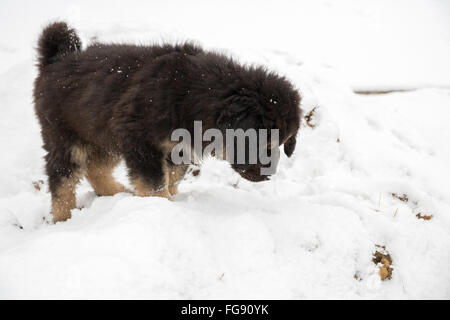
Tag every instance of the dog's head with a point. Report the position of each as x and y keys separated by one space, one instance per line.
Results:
x=261 y=101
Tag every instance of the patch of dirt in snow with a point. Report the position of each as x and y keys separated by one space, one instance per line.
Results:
x=383 y=261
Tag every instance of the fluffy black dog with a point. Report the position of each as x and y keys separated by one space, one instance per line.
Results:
x=112 y=101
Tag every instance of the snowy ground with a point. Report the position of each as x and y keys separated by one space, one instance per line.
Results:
x=311 y=232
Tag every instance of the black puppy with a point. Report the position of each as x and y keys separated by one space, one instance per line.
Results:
x=111 y=101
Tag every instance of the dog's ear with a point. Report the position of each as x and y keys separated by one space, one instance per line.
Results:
x=289 y=146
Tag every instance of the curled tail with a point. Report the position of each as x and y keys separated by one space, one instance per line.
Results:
x=56 y=41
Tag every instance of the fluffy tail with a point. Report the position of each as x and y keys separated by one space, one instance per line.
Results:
x=56 y=41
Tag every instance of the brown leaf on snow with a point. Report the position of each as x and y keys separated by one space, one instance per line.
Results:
x=402 y=197
x=38 y=184
x=423 y=216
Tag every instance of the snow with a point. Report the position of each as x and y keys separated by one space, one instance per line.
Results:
x=311 y=231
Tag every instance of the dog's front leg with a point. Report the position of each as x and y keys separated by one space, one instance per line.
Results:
x=148 y=171
x=176 y=174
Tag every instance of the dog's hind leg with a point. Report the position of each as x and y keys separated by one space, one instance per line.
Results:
x=63 y=198
x=64 y=169
x=176 y=174
x=100 y=168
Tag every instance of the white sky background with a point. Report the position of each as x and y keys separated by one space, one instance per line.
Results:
x=372 y=44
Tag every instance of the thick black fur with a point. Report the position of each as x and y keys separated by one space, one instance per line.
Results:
x=125 y=100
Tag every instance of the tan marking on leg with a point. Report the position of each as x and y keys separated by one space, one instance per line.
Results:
x=167 y=145
x=176 y=174
x=63 y=201
x=173 y=189
x=79 y=155
x=99 y=175
x=143 y=189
